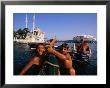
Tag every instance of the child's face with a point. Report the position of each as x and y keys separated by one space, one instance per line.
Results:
x=64 y=50
x=40 y=49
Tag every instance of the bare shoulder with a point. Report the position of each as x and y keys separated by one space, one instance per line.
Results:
x=68 y=56
x=35 y=58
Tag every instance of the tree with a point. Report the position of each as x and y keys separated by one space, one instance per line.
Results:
x=25 y=31
x=20 y=33
x=14 y=34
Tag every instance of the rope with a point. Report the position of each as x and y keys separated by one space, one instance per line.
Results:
x=52 y=64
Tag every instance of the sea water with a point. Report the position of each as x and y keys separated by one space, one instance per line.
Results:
x=23 y=54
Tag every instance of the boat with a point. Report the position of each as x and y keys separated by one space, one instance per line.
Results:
x=81 y=38
x=34 y=38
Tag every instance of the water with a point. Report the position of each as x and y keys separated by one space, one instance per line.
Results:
x=89 y=68
x=23 y=53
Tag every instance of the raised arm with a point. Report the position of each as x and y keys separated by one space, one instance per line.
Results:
x=53 y=51
x=51 y=43
x=34 y=60
x=56 y=53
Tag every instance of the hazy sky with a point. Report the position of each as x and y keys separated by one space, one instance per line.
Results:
x=62 y=25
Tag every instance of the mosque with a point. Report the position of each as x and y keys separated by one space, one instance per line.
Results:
x=35 y=36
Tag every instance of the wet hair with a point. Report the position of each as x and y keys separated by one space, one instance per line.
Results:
x=81 y=40
x=39 y=45
x=64 y=45
x=85 y=41
x=50 y=40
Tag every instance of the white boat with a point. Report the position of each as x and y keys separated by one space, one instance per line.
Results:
x=80 y=38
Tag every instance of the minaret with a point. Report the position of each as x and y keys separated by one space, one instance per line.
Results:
x=26 y=21
x=33 y=22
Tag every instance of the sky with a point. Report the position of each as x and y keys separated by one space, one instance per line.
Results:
x=62 y=25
